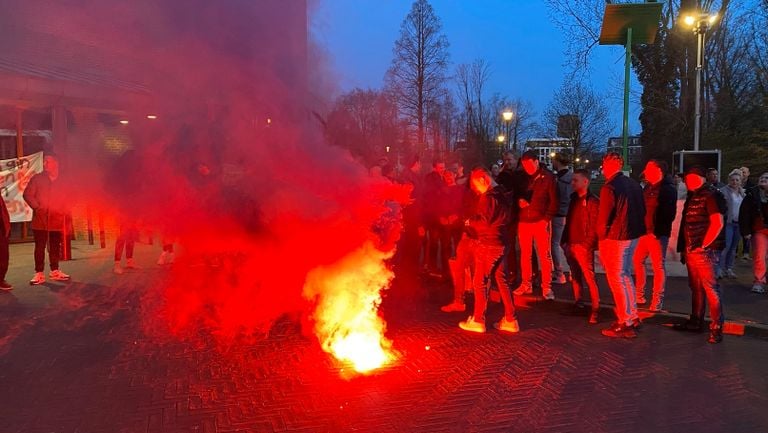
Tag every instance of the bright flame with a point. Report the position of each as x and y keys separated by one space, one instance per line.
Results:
x=346 y=318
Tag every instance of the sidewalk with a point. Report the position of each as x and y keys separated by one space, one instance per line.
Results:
x=90 y=264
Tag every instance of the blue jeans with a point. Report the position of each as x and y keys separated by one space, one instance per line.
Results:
x=732 y=238
x=704 y=287
x=616 y=256
x=558 y=259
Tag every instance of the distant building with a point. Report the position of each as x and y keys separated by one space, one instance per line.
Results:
x=547 y=148
x=634 y=149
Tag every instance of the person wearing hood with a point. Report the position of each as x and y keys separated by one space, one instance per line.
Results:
x=660 y=199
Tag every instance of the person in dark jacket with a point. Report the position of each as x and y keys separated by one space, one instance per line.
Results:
x=564 y=176
x=409 y=248
x=433 y=186
x=490 y=221
x=538 y=203
x=699 y=241
x=4 y=246
x=513 y=179
x=753 y=224
x=747 y=183
x=462 y=268
x=620 y=224
x=580 y=240
x=660 y=209
x=449 y=203
x=45 y=196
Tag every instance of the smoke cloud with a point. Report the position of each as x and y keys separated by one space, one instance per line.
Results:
x=234 y=169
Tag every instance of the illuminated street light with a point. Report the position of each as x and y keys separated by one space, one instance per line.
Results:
x=578 y=159
x=552 y=154
x=501 y=138
x=700 y=23
x=586 y=161
x=507 y=116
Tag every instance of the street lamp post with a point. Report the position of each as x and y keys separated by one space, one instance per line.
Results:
x=700 y=24
x=507 y=115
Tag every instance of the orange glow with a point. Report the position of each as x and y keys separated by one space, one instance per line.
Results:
x=346 y=318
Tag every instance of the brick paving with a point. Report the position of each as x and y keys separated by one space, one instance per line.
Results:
x=73 y=358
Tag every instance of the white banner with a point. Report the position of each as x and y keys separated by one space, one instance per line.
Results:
x=14 y=177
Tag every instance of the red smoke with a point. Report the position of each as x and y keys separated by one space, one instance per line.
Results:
x=234 y=169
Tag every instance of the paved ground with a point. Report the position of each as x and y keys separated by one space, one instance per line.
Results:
x=73 y=359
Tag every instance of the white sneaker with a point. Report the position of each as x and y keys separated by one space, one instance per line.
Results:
x=130 y=264
x=453 y=307
x=57 y=275
x=730 y=274
x=472 y=326
x=161 y=260
x=549 y=295
x=503 y=325
x=38 y=279
x=523 y=289
x=118 y=269
x=758 y=288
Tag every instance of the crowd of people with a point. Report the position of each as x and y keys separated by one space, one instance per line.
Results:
x=511 y=231
x=45 y=196
x=467 y=229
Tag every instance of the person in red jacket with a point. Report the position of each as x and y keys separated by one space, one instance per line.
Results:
x=45 y=196
x=538 y=203
x=579 y=240
x=4 y=253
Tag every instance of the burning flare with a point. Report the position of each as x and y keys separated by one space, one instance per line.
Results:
x=348 y=294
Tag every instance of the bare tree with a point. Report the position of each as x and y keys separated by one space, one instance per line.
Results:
x=523 y=122
x=443 y=123
x=365 y=122
x=590 y=127
x=471 y=80
x=420 y=59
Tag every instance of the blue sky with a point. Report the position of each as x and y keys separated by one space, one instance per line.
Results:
x=523 y=46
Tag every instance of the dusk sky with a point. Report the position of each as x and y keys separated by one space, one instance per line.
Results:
x=523 y=46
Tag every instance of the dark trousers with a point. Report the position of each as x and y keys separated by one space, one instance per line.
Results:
x=4 y=255
x=704 y=286
x=449 y=239
x=513 y=259
x=53 y=241
x=491 y=264
x=434 y=230
x=126 y=239
x=581 y=260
